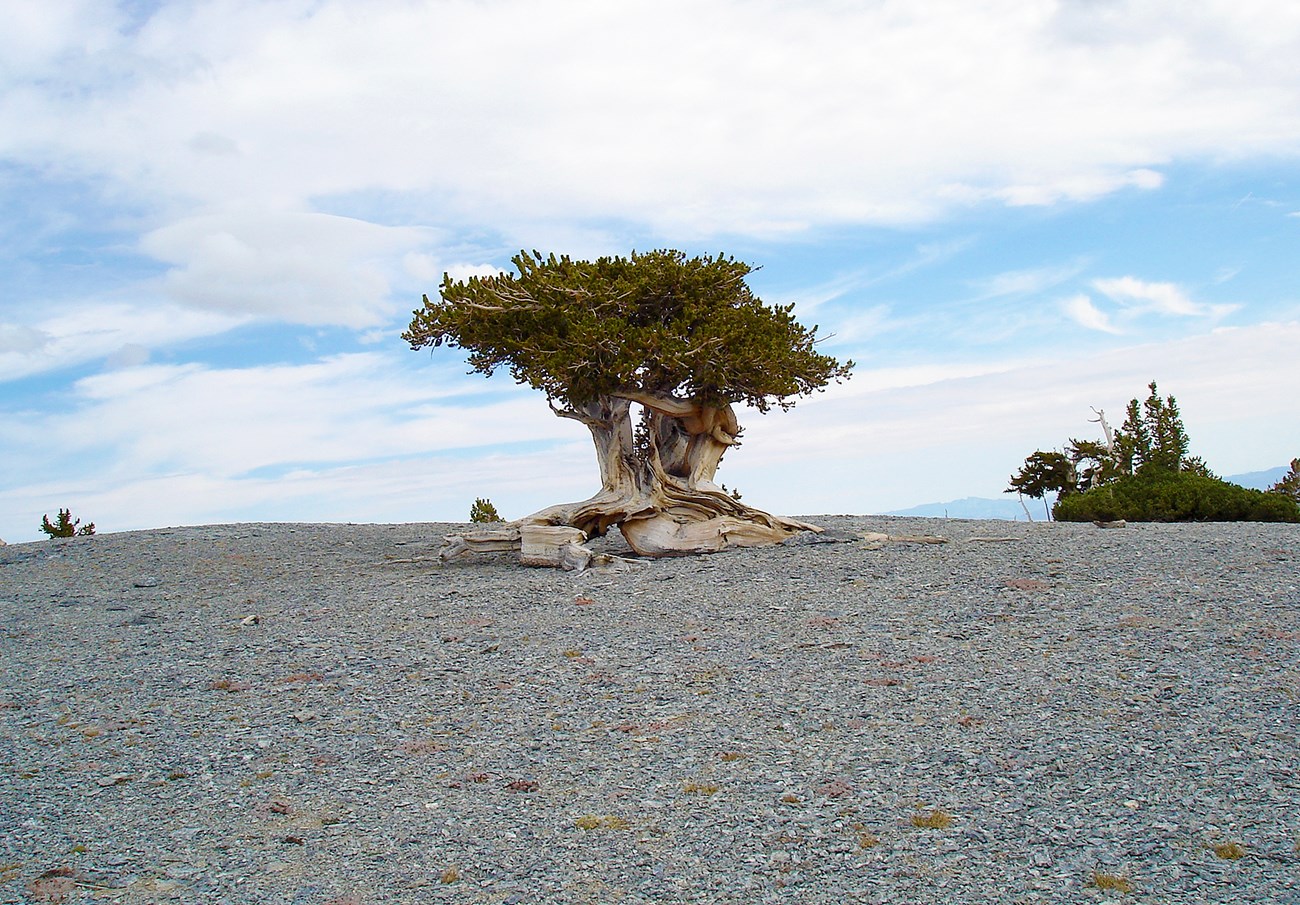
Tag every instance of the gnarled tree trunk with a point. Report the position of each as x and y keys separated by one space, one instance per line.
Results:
x=656 y=483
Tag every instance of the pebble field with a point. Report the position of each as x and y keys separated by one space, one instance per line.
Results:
x=327 y=715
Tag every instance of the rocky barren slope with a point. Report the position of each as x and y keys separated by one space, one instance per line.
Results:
x=311 y=714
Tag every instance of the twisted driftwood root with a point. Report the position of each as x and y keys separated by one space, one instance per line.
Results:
x=555 y=536
x=553 y=546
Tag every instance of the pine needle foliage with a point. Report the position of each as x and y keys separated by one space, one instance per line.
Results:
x=1289 y=486
x=66 y=526
x=484 y=512
x=1144 y=474
x=1174 y=496
x=656 y=323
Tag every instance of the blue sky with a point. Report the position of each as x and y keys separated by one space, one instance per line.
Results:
x=218 y=217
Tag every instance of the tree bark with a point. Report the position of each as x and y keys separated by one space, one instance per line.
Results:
x=657 y=482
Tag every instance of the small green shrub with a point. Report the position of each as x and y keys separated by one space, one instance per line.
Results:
x=1169 y=496
x=66 y=526
x=483 y=511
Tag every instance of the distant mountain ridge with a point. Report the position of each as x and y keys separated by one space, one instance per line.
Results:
x=1259 y=480
x=1009 y=508
x=977 y=507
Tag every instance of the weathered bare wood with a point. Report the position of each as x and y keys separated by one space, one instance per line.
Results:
x=504 y=539
x=543 y=545
x=664 y=503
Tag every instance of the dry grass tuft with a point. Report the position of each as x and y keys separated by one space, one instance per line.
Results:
x=600 y=822
x=1230 y=851
x=691 y=787
x=1117 y=882
x=934 y=820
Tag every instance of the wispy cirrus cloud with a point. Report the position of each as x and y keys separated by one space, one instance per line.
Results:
x=87 y=330
x=1031 y=281
x=1131 y=299
x=1141 y=296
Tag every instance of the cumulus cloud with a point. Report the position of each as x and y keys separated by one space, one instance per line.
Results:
x=298 y=266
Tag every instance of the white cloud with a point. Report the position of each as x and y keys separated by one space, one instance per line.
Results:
x=37 y=36
x=277 y=157
x=87 y=330
x=17 y=340
x=756 y=118
x=468 y=271
x=246 y=440
x=356 y=438
x=1081 y=309
x=304 y=267
x=859 y=327
x=894 y=439
x=1141 y=296
x=345 y=408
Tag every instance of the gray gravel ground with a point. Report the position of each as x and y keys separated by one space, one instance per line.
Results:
x=1040 y=713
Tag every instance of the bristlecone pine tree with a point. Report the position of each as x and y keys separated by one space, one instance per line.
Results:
x=683 y=338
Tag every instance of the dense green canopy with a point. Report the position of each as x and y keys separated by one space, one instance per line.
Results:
x=655 y=324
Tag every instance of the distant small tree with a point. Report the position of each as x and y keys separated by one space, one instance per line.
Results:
x=66 y=526
x=1152 y=436
x=1143 y=473
x=1151 y=442
x=1043 y=473
x=1289 y=486
x=483 y=511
